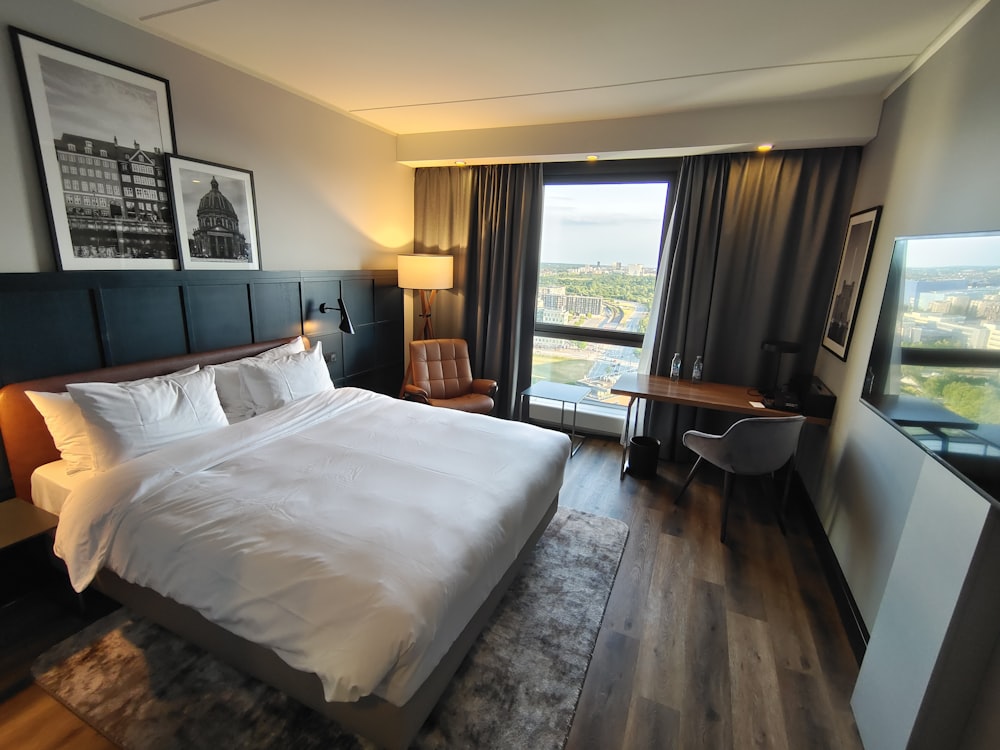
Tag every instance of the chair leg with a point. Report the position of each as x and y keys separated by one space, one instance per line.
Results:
x=687 y=481
x=779 y=505
x=727 y=491
x=782 y=507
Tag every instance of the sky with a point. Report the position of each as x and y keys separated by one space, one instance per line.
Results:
x=86 y=103
x=957 y=250
x=605 y=223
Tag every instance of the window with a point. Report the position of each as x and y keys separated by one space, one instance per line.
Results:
x=935 y=365
x=600 y=247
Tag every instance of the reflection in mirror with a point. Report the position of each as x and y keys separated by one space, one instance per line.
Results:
x=935 y=363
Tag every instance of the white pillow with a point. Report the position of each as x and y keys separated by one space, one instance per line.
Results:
x=275 y=383
x=235 y=400
x=68 y=427
x=126 y=420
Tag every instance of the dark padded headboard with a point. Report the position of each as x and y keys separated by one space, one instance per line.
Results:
x=27 y=440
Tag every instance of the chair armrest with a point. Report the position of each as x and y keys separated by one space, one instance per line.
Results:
x=484 y=386
x=414 y=393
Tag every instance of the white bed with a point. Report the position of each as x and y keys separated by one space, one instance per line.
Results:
x=51 y=484
x=370 y=561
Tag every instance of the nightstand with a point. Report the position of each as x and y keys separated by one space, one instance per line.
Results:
x=20 y=521
x=33 y=595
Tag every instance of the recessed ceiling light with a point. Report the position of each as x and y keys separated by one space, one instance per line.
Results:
x=459 y=163
x=765 y=147
x=592 y=157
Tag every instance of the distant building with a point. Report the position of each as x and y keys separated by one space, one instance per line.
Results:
x=115 y=199
x=555 y=298
x=218 y=235
x=552 y=317
x=840 y=314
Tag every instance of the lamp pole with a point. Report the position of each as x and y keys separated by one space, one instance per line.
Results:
x=426 y=301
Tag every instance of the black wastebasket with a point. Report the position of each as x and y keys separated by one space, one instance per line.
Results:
x=643 y=453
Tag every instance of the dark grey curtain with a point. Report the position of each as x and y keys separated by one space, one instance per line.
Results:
x=489 y=219
x=502 y=275
x=753 y=249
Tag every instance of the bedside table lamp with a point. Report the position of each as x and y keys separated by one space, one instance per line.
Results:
x=426 y=273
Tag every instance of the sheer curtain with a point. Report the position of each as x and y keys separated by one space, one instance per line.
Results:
x=751 y=254
x=441 y=200
x=489 y=219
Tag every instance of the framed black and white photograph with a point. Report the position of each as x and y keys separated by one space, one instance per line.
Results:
x=216 y=215
x=101 y=132
x=850 y=280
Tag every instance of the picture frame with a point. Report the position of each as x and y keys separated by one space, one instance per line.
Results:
x=101 y=131
x=851 y=274
x=215 y=216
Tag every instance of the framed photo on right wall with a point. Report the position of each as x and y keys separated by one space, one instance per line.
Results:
x=850 y=280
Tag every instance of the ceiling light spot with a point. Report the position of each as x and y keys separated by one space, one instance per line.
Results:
x=765 y=147
x=592 y=157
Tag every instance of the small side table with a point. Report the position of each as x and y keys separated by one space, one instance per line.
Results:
x=20 y=521
x=566 y=394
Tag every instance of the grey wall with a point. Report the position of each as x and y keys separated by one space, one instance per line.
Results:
x=330 y=194
x=906 y=531
x=935 y=167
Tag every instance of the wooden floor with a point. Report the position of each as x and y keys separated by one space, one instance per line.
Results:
x=706 y=645
x=703 y=645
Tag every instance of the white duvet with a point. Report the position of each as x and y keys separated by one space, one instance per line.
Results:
x=352 y=533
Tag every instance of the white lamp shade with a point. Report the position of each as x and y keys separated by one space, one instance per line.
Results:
x=426 y=272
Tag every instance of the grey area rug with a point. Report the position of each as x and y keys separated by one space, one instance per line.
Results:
x=146 y=689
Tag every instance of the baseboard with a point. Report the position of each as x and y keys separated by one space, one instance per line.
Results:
x=850 y=615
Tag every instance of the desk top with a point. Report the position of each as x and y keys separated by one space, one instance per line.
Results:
x=740 y=399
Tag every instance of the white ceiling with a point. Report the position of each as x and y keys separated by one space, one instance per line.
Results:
x=422 y=66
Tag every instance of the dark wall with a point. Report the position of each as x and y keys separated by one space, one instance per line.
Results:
x=55 y=323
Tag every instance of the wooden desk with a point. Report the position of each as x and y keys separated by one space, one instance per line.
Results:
x=719 y=396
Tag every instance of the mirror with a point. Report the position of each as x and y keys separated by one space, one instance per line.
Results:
x=934 y=370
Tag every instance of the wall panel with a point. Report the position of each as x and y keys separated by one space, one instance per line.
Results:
x=276 y=309
x=219 y=316
x=359 y=296
x=143 y=323
x=47 y=332
x=55 y=323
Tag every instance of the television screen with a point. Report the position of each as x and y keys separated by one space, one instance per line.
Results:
x=934 y=369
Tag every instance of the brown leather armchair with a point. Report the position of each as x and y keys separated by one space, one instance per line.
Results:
x=440 y=374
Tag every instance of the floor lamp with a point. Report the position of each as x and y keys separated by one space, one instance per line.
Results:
x=426 y=273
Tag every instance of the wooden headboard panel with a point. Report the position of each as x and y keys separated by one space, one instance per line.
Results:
x=25 y=436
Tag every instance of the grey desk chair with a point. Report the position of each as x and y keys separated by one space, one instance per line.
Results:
x=750 y=447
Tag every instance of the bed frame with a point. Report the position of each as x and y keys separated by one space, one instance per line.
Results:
x=29 y=445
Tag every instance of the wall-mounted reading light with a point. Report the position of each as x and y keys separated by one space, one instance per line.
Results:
x=345 y=320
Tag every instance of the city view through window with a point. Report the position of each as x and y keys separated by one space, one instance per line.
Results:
x=599 y=254
x=949 y=333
